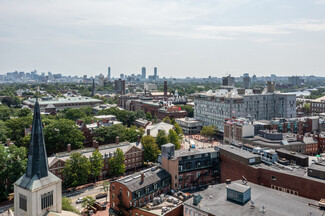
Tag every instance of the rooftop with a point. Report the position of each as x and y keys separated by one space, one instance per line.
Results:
x=152 y=175
x=317 y=167
x=188 y=152
x=276 y=203
x=237 y=151
x=296 y=154
x=59 y=100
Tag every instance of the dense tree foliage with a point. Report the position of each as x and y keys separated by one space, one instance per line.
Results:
x=67 y=205
x=161 y=138
x=59 y=133
x=3 y=132
x=13 y=163
x=189 y=110
x=16 y=128
x=5 y=112
x=108 y=134
x=76 y=170
x=116 y=163
x=150 y=147
x=174 y=138
x=209 y=131
x=96 y=164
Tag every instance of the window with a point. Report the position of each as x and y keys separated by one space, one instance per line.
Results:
x=113 y=187
x=128 y=193
x=130 y=203
x=186 y=210
x=155 y=186
x=113 y=196
x=113 y=204
x=147 y=190
x=23 y=202
x=274 y=178
x=47 y=200
x=175 y=176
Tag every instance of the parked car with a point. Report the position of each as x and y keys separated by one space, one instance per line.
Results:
x=101 y=195
x=79 y=200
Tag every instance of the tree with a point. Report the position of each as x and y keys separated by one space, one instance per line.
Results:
x=105 y=187
x=23 y=112
x=161 y=138
x=307 y=108
x=5 y=112
x=108 y=134
x=17 y=128
x=148 y=116
x=150 y=147
x=131 y=134
x=13 y=165
x=178 y=129
x=74 y=114
x=116 y=163
x=88 y=201
x=67 y=205
x=189 y=110
x=59 y=133
x=166 y=120
x=174 y=138
x=3 y=132
x=76 y=170
x=96 y=163
x=208 y=131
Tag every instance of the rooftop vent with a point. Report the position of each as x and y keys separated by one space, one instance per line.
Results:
x=196 y=199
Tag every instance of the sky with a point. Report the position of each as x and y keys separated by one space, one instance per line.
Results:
x=182 y=38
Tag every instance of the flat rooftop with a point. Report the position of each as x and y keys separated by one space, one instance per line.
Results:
x=295 y=154
x=276 y=203
x=60 y=100
x=192 y=151
x=238 y=151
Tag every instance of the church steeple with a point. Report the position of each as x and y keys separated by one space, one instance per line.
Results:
x=37 y=159
x=93 y=89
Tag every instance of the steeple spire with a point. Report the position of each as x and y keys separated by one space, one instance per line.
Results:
x=37 y=158
x=93 y=89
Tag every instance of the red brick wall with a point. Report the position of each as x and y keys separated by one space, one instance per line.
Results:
x=234 y=170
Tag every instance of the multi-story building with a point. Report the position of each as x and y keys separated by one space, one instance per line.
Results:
x=246 y=82
x=143 y=73
x=62 y=103
x=189 y=125
x=120 y=86
x=214 y=107
x=235 y=130
x=318 y=105
x=191 y=168
x=137 y=190
x=133 y=154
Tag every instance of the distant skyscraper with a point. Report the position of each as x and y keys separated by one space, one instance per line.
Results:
x=121 y=76
x=144 y=75
x=228 y=81
x=109 y=72
x=246 y=81
x=155 y=73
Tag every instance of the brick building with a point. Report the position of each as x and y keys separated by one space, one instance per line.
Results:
x=318 y=105
x=235 y=130
x=193 y=168
x=133 y=154
x=290 y=179
x=133 y=191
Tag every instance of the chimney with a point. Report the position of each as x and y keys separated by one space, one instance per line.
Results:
x=8 y=142
x=165 y=88
x=69 y=148
x=92 y=121
x=95 y=144
x=148 y=132
x=97 y=123
x=142 y=178
x=117 y=140
x=138 y=138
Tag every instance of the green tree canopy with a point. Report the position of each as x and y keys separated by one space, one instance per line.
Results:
x=59 y=133
x=174 y=138
x=74 y=114
x=17 y=128
x=5 y=112
x=116 y=163
x=105 y=187
x=76 y=170
x=161 y=138
x=88 y=201
x=96 y=163
x=13 y=165
x=189 y=110
x=3 y=132
x=208 y=131
x=166 y=120
x=23 y=112
x=108 y=134
x=178 y=129
x=150 y=147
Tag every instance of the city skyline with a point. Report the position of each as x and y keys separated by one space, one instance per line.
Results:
x=180 y=38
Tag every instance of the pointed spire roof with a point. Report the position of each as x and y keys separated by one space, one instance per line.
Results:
x=37 y=159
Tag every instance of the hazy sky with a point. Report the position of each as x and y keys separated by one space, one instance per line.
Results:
x=182 y=38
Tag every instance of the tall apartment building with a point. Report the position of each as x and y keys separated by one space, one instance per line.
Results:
x=120 y=86
x=144 y=73
x=228 y=81
x=246 y=82
x=213 y=108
